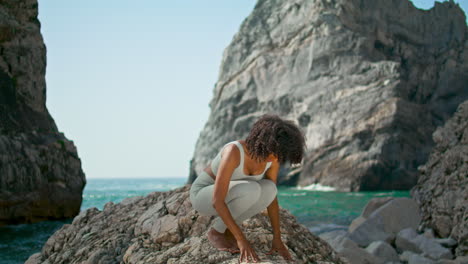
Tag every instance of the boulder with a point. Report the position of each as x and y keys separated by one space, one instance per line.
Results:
x=348 y=249
x=413 y=258
x=383 y=251
x=404 y=241
x=446 y=242
x=384 y=222
x=458 y=260
x=374 y=204
x=162 y=227
x=409 y=240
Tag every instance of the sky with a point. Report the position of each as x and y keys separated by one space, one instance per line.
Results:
x=129 y=82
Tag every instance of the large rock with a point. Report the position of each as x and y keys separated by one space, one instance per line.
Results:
x=442 y=187
x=383 y=251
x=412 y=258
x=348 y=249
x=40 y=171
x=409 y=240
x=384 y=222
x=367 y=80
x=162 y=227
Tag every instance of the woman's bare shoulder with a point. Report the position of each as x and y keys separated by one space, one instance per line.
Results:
x=231 y=153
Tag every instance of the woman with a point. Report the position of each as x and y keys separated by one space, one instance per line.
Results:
x=241 y=182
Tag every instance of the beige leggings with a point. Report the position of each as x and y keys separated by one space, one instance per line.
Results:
x=244 y=199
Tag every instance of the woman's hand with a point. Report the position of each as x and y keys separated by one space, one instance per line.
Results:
x=278 y=246
x=247 y=253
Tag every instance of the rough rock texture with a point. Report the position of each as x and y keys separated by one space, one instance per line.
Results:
x=367 y=80
x=384 y=222
x=40 y=171
x=442 y=186
x=386 y=227
x=162 y=227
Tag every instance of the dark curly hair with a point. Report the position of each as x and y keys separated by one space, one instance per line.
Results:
x=272 y=135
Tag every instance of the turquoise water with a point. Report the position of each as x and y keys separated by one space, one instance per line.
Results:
x=319 y=211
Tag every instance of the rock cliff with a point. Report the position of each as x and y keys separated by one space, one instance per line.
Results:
x=162 y=227
x=442 y=187
x=367 y=80
x=40 y=171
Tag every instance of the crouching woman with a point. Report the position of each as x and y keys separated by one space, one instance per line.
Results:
x=241 y=181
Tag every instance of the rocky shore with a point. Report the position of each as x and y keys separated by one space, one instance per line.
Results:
x=162 y=227
x=389 y=231
x=433 y=227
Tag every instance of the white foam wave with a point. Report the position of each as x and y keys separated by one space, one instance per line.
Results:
x=316 y=187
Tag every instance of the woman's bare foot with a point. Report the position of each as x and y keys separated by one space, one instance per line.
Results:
x=219 y=241
x=231 y=240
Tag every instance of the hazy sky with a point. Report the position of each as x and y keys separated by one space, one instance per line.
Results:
x=130 y=81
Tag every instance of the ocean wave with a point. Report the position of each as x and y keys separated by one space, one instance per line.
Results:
x=292 y=194
x=316 y=187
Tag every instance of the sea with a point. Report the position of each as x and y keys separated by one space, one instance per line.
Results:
x=319 y=208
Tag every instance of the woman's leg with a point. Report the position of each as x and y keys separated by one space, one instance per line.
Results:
x=267 y=195
x=241 y=196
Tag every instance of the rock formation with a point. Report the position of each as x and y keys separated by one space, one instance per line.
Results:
x=442 y=190
x=367 y=80
x=386 y=233
x=40 y=171
x=162 y=227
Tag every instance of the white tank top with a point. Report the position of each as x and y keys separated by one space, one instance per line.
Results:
x=238 y=173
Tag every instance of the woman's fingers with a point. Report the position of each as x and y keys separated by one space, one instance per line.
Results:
x=248 y=255
x=241 y=258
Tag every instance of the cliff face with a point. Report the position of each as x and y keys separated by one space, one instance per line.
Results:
x=163 y=227
x=368 y=81
x=40 y=171
x=442 y=191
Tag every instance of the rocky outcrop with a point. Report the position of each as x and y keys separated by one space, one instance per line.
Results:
x=386 y=233
x=162 y=227
x=442 y=187
x=367 y=80
x=40 y=171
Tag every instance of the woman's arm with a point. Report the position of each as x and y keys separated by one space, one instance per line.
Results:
x=273 y=208
x=273 y=213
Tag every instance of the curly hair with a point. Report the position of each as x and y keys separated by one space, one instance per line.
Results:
x=272 y=135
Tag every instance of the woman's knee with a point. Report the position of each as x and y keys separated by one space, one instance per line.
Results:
x=248 y=190
x=268 y=186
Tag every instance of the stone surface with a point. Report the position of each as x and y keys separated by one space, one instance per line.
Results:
x=458 y=260
x=162 y=227
x=40 y=171
x=384 y=222
x=446 y=242
x=409 y=240
x=367 y=80
x=348 y=249
x=370 y=230
x=404 y=241
x=412 y=258
x=374 y=204
x=442 y=186
x=383 y=251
